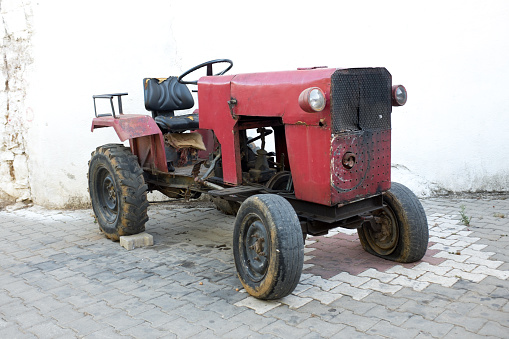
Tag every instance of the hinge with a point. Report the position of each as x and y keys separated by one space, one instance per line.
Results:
x=231 y=103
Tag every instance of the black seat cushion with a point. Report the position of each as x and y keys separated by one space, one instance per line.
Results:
x=167 y=95
x=178 y=123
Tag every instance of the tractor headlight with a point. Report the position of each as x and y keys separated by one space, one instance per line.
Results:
x=399 y=95
x=312 y=100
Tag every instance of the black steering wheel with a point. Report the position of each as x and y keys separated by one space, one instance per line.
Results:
x=209 y=70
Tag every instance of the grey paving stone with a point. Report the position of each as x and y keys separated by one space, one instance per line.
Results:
x=290 y=317
x=321 y=328
x=216 y=324
x=470 y=286
x=360 y=323
x=182 y=328
x=79 y=300
x=86 y=325
x=494 y=329
x=243 y=332
x=461 y=332
x=500 y=292
x=141 y=292
x=47 y=285
x=225 y=309
x=424 y=326
x=107 y=333
x=281 y=329
x=13 y=331
x=391 y=302
x=351 y=333
x=254 y=321
x=7 y=299
x=133 y=306
x=98 y=310
x=166 y=302
x=16 y=287
x=470 y=323
x=156 y=317
x=394 y=317
x=317 y=309
x=112 y=298
x=199 y=299
x=481 y=311
x=29 y=319
x=49 y=329
x=229 y=295
x=64 y=315
x=425 y=311
x=145 y=330
x=14 y=308
x=357 y=307
x=447 y=293
x=386 y=329
x=121 y=321
x=462 y=308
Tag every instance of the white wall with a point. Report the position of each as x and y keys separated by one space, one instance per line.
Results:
x=451 y=56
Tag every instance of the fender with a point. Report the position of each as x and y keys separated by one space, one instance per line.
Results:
x=145 y=138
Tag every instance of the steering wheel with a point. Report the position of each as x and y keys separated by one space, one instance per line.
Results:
x=209 y=70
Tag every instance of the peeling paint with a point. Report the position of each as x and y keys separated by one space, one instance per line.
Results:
x=16 y=56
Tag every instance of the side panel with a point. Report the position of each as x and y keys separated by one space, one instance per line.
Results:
x=309 y=157
x=213 y=97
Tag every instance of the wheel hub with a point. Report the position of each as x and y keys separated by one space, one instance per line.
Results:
x=107 y=195
x=255 y=251
x=383 y=238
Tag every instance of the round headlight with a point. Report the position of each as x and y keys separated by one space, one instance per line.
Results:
x=312 y=100
x=399 y=95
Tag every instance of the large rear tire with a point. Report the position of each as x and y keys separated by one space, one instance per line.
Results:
x=118 y=191
x=401 y=229
x=268 y=246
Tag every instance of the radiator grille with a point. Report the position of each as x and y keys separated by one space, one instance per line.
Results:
x=361 y=99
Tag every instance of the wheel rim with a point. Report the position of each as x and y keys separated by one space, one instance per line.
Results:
x=385 y=239
x=255 y=248
x=279 y=181
x=107 y=195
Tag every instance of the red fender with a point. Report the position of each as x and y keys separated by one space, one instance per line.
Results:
x=145 y=138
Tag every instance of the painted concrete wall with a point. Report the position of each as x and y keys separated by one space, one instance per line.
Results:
x=452 y=57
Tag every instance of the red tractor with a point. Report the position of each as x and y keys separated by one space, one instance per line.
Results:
x=330 y=166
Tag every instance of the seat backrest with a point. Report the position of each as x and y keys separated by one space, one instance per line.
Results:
x=166 y=95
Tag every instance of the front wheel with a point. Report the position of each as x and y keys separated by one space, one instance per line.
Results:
x=268 y=246
x=399 y=232
x=118 y=191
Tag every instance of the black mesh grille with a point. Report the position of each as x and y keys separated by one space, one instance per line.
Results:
x=361 y=99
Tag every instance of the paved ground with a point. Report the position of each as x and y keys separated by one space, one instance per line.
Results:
x=61 y=278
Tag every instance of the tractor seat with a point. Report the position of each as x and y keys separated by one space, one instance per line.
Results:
x=165 y=96
x=178 y=123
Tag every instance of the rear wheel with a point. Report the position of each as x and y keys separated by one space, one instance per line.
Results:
x=268 y=246
x=118 y=191
x=399 y=231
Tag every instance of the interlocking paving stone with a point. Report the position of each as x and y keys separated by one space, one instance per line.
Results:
x=61 y=276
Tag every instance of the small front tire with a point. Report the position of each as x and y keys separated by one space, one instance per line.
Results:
x=268 y=246
x=401 y=230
